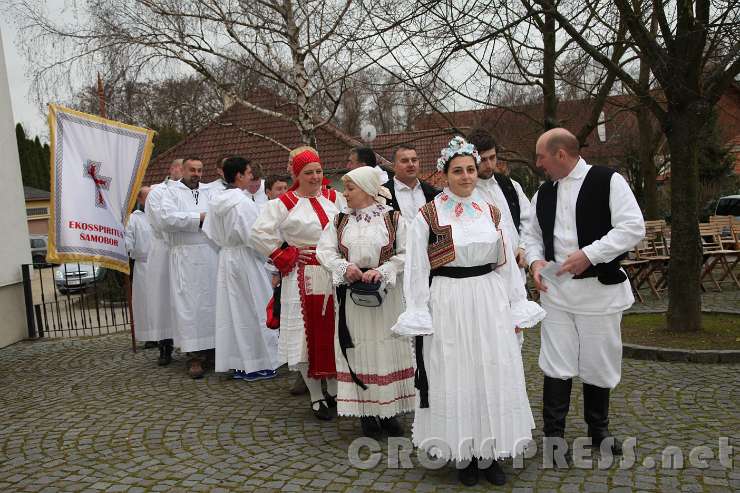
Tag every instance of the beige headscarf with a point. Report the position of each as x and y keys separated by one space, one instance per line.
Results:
x=368 y=179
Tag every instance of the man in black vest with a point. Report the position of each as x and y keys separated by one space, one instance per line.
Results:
x=408 y=193
x=501 y=191
x=587 y=218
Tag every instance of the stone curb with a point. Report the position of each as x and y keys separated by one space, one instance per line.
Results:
x=635 y=351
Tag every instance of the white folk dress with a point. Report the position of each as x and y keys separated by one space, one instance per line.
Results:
x=159 y=303
x=243 y=341
x=478 y=404
x=193 y=267
x=382 y=360
x=138 y=238
x=299 y=227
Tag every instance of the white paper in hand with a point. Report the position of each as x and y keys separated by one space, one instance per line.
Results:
x=550 y=273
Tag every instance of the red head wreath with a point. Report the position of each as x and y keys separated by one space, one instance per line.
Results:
x=299 y=158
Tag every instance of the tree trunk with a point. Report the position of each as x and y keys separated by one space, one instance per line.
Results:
x=550 y=98
x=684 y=291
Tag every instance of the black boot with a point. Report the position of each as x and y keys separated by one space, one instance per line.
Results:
x=596 y=414
x=495 y=474
x=392 y=426
x=555 y=406
x=165 y=352
x=370 y=426
x=469 y=475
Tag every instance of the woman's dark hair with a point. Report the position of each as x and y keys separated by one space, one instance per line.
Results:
x=447 y=164
x=366 y=155
x=234 y=165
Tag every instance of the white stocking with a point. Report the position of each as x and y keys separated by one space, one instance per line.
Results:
x=314 y=388
x=331 y=386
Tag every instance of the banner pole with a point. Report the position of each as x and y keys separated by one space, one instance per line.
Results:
x=127 y=278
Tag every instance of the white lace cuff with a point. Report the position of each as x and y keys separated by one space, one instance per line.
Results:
x=337 y=275
x=526 y=314
x=389 y=275
x=414 y=323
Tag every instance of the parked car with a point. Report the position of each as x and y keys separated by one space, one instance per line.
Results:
x=728 y=206
x=38 y=248
x=75 y=277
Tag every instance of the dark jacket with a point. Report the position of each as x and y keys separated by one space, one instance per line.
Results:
x=429 y=193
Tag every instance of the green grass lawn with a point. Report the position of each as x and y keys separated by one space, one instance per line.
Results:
x=719 y=331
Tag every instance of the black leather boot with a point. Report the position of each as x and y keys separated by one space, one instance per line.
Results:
x=392 y=426
x=495 y=474
x=469 y=475
x=165 y=352
x=596 y=414
x=555 y=406
x=370 y=426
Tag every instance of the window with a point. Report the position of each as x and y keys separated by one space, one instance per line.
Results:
x=37 y=211
x=37 y=243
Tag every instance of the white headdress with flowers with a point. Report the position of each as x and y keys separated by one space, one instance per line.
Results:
x=458 y=146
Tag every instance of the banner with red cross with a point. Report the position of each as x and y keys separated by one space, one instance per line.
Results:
x=97 y=166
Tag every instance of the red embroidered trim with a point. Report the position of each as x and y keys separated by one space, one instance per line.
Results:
x=340 y=225
x=372 y=378
x=329 y=194
x=289 y=199
x=320 y=212
x=495 y=214
x=313 y=372
x=391 y=222
x=442 y=251
x=373 y=401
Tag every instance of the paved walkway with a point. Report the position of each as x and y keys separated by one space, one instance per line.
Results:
x=727 y=301
x=90 y=415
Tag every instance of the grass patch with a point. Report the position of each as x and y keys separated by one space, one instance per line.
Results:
x=719 y=331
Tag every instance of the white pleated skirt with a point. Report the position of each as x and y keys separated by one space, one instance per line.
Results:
x=478 y=404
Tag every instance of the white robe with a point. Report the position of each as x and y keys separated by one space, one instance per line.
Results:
x=299 y=227
x=160 y=315
x=193 y=267
x=477 y=391
x=259 y=197
x=138 y=238
x=243 y=341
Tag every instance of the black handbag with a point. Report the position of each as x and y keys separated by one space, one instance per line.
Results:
x=368 y=294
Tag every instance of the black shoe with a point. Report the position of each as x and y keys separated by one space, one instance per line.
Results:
x=322 y=412
x=165 y=353
x=392 y=426
x=370 y=426
x=596 y=415
x=331 y=400
x=494 y=474
x=469 y=475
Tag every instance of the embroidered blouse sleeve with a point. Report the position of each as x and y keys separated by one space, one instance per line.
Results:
x=417 y=319
x=328 y=254
x=395 y=264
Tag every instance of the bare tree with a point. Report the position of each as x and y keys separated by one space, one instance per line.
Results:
x=304 y=49
x=694 y=56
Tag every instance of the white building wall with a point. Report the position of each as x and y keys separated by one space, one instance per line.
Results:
x=14 y=246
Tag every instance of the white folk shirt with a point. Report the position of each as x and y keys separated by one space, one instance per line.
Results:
x=193 y=266
x=259 y=197
x=588 y=296
x=409 y=200
x=243 y=341
x=492 y=193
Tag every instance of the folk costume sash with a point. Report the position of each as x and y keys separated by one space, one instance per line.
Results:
x=317 y=304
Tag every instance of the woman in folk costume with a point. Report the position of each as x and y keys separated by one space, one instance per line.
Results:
x=287 y=230
x=465 y=296
x=375 y=370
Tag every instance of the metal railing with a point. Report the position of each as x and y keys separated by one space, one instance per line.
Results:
x=74 y=300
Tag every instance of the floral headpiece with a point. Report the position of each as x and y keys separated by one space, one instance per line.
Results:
x=458 y=146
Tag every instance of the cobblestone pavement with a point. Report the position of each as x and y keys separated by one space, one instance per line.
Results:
x=89 y=415
x=727 y=301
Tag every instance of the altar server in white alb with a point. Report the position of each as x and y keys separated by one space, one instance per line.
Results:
x=138 y=237
x=159 y=302
x=193 y=265
x=587 y=218
x=243 y=341
x=472 y=396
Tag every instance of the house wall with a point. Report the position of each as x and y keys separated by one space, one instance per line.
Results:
x=14 y=248
x=38 y=220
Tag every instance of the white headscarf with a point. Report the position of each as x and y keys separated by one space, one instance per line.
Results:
x=368 y=179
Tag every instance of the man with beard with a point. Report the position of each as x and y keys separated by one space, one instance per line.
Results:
x=193 y=264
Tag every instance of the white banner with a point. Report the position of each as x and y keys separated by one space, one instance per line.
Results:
x=97 y=166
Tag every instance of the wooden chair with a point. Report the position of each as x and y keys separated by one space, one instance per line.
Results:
x=656 y=270
x=727 y=227
x=635 y=274
x=716 y=254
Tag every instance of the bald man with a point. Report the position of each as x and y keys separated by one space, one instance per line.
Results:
x=138 y=239
x=586 y=219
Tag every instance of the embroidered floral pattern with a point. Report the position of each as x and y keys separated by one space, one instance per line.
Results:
x=368 y=213
x=460 y=209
